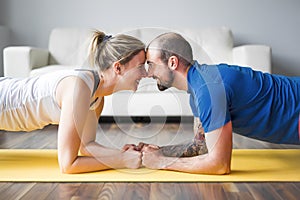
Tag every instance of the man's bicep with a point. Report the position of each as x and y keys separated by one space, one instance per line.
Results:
x=219 y=139
x=198 y=129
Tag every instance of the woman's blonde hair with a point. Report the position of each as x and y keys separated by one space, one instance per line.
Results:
x=105 y=50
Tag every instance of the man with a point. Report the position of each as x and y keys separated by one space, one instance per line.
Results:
x=224 y=99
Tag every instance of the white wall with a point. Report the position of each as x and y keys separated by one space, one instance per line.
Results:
x=272 y=22
x=4 y=41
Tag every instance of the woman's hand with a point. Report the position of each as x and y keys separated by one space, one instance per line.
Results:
x=131 y=158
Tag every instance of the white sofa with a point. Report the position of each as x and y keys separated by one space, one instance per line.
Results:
x=68 y=48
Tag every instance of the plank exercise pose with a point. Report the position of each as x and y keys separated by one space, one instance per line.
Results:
x=74 y=99
x=224 y=98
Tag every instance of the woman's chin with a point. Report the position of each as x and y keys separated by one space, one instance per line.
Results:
x=134 y=88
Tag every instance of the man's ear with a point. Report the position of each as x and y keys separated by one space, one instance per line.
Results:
x=173 y=62
x=117 y=68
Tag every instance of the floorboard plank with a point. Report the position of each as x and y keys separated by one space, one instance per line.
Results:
x=16 y=191
x=212 y=191
x=113 y=191
x=63 y=191
x=40 y=191
x=139 y=191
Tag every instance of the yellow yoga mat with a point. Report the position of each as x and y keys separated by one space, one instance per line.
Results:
x=247 y=166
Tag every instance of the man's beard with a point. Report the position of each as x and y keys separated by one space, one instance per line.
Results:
x=167 y=84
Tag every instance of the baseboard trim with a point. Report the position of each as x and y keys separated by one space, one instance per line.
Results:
x=146 y=119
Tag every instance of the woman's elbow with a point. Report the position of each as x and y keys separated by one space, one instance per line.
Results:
x=66 y=167
x=83 y=151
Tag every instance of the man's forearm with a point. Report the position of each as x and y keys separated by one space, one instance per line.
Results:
x=188 y=149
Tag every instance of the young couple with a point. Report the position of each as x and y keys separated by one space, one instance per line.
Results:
x=261 y=106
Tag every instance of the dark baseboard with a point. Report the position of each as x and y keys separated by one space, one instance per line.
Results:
x=146 y=119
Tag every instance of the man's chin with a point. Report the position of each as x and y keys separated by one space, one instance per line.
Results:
x=162 y=87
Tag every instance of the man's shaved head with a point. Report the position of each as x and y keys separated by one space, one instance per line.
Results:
x=170 y=44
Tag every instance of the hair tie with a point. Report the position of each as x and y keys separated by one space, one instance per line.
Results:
x=106 y=37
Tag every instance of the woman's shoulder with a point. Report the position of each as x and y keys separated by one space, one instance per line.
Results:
x=83 y=76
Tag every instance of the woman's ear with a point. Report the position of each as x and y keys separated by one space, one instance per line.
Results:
x=117 y=68
x=173 y=62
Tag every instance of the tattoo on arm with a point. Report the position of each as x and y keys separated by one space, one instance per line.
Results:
x=189 y=149
x=198 y=129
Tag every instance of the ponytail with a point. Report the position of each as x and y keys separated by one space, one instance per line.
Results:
x=97 y=38
x=105 y=49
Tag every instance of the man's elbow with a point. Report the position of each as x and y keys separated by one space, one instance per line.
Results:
x=222 y=170
x=216 y=167
x=222 y=167
x=219 y=170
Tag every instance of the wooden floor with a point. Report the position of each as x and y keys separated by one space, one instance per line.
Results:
x=118 y=134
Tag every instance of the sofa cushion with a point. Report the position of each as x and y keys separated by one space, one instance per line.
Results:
x=69 y=46
x=217 y=44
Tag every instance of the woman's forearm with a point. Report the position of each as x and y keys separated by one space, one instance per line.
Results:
x=93 y=157
x=95 y=149
x=84 y=164
x=96 y=157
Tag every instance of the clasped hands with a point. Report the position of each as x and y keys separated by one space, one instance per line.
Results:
x=136 y=156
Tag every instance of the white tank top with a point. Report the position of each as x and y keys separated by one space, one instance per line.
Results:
x=29 y=104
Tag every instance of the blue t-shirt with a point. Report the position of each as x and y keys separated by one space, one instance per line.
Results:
x=259 y=105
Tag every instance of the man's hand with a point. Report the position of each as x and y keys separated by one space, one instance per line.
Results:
x=152 y=158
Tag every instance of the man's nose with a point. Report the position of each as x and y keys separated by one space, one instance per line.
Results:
x=144 y=73
x=150 y=73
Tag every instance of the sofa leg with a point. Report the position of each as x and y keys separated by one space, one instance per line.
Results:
x=146 y=119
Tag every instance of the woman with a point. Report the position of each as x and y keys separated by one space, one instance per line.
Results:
x=74 y=100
